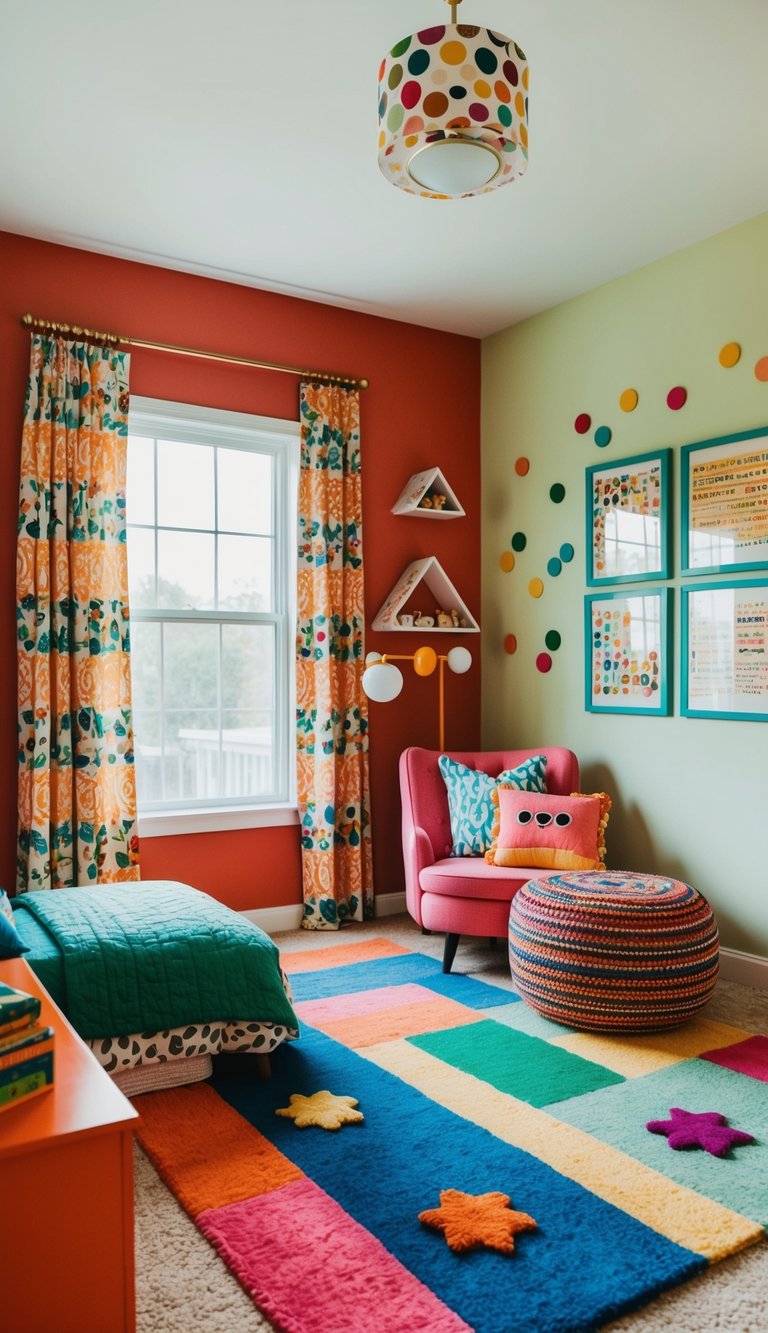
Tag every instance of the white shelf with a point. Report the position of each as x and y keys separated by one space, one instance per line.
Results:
x=430 y=572
x=421 y=484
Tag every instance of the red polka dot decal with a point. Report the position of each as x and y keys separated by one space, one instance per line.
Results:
x=677 y=398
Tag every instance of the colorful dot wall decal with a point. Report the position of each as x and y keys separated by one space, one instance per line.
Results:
x=552 y=640
x=519 y=541
x=535 y=587
x=553 y=567
x=507 y=561
x=602 y=436
x=628 y=400
x=730 y=353
x=521 y=467
x=557 y=493
x=761 y=369
x=510 y=644
x=676 y=398
x=544 y=663
x=582 y=423
x=566 y=553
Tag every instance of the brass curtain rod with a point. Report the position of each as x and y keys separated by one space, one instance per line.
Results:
x=53 y=326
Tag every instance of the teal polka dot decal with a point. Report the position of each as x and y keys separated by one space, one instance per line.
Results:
x=602 y=436
x=519 y=541
x=566 y=553
x=557 y=493
x=552 y=640
x=553 y=567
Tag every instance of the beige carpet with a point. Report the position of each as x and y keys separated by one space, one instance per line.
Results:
x=182 y=1286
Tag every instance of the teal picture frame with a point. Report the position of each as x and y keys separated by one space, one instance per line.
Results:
x=724 y=650
x=627 y=506
x=633 y=675
x=724 y=492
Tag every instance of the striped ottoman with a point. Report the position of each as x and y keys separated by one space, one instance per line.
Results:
x=613 y=951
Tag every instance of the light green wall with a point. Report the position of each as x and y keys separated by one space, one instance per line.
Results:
x=690 y=797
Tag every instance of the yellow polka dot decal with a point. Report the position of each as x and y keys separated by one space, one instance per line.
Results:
x=535 y=587
x=729 y=354
x=507 y=561
x=628 y=400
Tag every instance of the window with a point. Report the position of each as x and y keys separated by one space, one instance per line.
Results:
x=211 y=499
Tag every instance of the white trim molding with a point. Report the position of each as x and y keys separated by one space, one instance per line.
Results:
x=748 y=969
x=275 y=920
x=169 y=823
x=389 y=904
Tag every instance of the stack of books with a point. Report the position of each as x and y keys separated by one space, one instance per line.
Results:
x=26 y=1048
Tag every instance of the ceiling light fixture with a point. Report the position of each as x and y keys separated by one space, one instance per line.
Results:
x=453 y=111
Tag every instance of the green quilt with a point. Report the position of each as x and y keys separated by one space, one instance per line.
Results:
x=156 y=955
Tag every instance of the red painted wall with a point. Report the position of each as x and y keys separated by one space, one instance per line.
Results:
x=422 y=409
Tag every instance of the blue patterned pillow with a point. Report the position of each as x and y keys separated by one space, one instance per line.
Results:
x=469 y=799
x=11 y=943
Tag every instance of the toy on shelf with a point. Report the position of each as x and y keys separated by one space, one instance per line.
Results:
x=428 y=495
x=424 y=574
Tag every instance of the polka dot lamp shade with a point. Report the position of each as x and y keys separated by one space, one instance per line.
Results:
x=453 y=112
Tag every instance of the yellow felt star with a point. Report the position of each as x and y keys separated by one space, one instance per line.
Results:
x=323 y=1109
x=470 y=1220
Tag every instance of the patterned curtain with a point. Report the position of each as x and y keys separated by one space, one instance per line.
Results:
x=332 y=716
x=77 y=796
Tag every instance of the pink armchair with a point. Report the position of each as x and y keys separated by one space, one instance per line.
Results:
x=462 y=895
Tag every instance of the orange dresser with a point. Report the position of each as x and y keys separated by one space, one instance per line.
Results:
x=66 y=1192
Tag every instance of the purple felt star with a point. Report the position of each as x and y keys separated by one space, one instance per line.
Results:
x=705 y=1129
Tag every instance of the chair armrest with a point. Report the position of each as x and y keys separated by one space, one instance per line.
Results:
x=417 y=855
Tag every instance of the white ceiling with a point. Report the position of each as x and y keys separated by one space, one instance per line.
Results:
x=238 y=139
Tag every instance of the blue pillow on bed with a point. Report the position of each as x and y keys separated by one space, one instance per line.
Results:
x=11 y=943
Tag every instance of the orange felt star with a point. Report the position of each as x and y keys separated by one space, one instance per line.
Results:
x=470 y=1220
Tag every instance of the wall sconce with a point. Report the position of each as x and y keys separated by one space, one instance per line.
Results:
x=382 y=682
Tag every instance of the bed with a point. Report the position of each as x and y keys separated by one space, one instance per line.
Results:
x=157 y=977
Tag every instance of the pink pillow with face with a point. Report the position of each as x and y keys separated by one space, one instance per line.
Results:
x=551 y=832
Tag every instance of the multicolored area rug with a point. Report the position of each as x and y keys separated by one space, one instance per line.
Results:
x=462 y=1087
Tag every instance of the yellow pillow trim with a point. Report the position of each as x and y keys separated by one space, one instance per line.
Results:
x=544 y=858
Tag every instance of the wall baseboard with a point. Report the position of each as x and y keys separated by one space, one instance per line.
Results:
x=274 y=920
x=746 y=968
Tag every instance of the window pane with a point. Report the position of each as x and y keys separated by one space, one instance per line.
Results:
x=248 y=668
x=141 y=566
x=245 y=573
x=185 y=573
x=148 y=756
x=185 y=485
x=191 y=667
x=247 y=755
x=245 y=491
x=191 y=755
x=140 y=486
x=145 y=665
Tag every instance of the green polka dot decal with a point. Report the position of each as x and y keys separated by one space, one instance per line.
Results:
x=557 y=493
x=448 y=79
x=519 y=541
x=552 y=640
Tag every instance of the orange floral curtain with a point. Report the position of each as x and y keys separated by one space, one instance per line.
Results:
x=332 y=715
x=77 y=795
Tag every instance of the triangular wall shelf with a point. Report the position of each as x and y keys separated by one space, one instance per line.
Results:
x=426 y=484
x=443 y=594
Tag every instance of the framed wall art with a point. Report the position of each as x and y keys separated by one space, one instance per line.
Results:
x=628 y=528
x=724 y=484
x=724 y=650
x=627 y=652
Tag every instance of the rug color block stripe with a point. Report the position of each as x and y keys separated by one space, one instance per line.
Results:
x=434 y=1015
x=469 y=991
x=526 y=1067
x=644 y=1053
x=338 y=955
x=748 y=1057
x=309 y=1265
x=358 y=1003
x=619 y=1116
x=364 y=976
x=205 y=1152
x=684 y=1217
x=586 y=1262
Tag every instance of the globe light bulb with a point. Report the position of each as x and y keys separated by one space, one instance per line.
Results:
x=382 y=682
x=459 y=660
x=370 y=658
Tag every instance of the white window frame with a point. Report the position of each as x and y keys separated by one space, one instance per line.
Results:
x=187 y=424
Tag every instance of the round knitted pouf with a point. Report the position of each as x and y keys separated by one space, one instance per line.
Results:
x=613 y=951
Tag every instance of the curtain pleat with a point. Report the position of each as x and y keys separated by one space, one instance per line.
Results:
x=77 y=795
x=332 y=716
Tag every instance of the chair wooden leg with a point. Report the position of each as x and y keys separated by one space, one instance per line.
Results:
x=449 y=952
